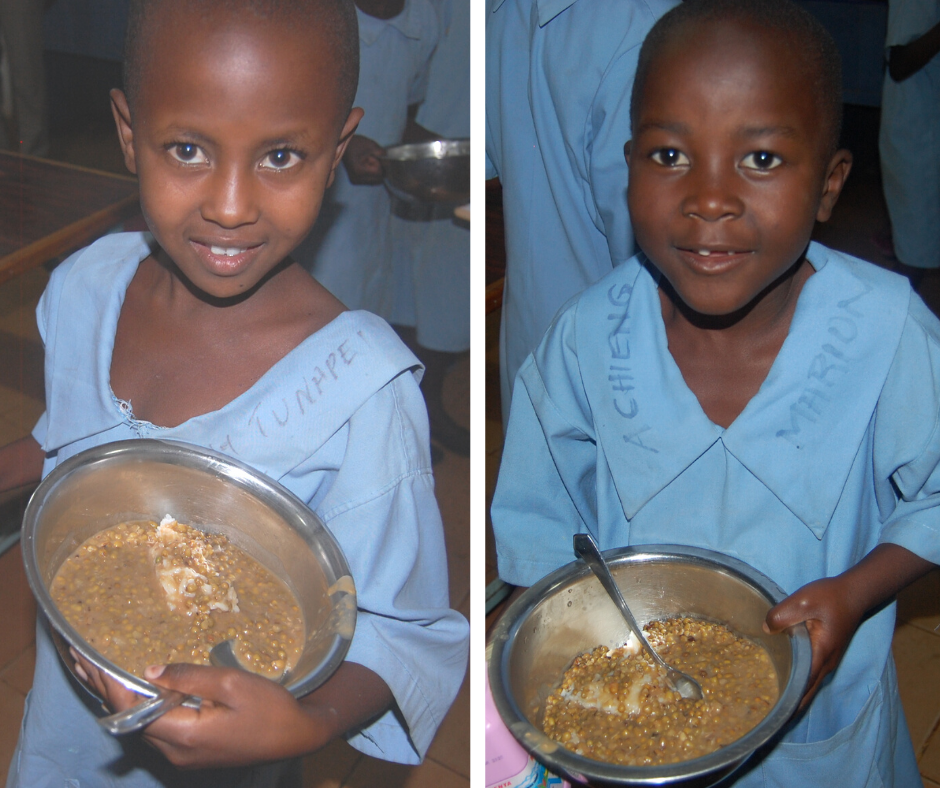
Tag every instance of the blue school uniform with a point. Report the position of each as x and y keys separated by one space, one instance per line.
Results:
x=559 y=74
x=349 y=249
x=340 y=422
x=835 y=454
x=431 y=251
x=909 y=144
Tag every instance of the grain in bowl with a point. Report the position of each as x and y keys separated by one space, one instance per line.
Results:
x=144 y=593
x=614 y=705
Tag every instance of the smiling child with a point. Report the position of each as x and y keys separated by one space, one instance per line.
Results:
x=234 y=118
x=739 y=388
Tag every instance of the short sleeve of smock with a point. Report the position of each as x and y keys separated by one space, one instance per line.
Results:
x=381 y=508
x=907 y=439
x=910 y=19
x=546 y=487
x=430 y=32
x=46 y=312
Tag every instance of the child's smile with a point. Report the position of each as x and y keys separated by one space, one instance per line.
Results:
x=234 y=145
x=728 y=166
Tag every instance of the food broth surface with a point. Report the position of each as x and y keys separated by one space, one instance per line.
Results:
x=615 y=705
x=147 y=594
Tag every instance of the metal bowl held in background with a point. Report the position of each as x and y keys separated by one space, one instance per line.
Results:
x=433 y=172
x=568 y=612
x=147 y=479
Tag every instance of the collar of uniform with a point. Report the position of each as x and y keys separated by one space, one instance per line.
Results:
x=548 y=9
x=799 y=435
x=405 y=23
x=82 y=297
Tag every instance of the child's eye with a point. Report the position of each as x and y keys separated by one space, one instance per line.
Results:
x=281 y=159
x=670 y=157
x=187 y=153
x=761 y=160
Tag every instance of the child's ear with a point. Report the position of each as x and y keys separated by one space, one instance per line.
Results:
x=836 y=174
x=352 y=123
x=627 y=147
x=122 y=119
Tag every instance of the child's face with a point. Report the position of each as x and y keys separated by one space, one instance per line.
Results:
x=235 y=135
x=729 y=167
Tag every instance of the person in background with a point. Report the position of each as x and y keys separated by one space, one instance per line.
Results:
x=909 y=140
x=429 y=301
x=21 y=34
x=558 y=78
x=349 y=250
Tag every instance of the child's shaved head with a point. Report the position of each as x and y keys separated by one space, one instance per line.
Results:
x=814 y=50
x=335 y=20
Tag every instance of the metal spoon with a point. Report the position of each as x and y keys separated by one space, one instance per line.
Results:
x=586 y=548
x=136 y=717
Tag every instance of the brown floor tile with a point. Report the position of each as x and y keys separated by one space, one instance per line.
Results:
x=917 y=655
x=452 y=487
x=451 y=745
x=330 y=767
x=919 y=603
x=18 y=675
x=456 y=394
x=11 y=715
x=370 y=773
x=18 y=609
x=929 y=762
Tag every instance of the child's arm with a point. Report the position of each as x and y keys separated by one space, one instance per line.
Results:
x=250 y=719
x=903 y=61
x=832 y=608
x=20 y=463
x=361 y=161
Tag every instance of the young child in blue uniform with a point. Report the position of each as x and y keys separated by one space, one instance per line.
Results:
x=350 y=249
x=234 y=118
x=738 y=388
x=908 y=148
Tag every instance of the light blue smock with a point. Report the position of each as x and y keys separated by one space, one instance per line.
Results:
x=909 y=141
x=605 y=437
x=431 y=249
x=340 y=422
x=559 y=74
x=349 y=249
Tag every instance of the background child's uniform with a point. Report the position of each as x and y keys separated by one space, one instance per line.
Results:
x=606 y=437
x=558 y=80
x=909 y=143
x=431 y=252
x=349 y=249
x=340 y=422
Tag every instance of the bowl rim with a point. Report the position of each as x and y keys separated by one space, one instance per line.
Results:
x=560 y=760
x=197 y=457
x=450 y=148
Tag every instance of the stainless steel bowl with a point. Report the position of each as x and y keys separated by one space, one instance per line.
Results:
x=147 y=479
x=568 y=613
x=434 y=172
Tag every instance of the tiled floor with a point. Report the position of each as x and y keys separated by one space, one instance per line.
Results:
x=858 y=214
x=21 y=402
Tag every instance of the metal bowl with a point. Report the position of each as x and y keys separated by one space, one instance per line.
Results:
x=147 y=479
x=432 y=172
x=568 y=612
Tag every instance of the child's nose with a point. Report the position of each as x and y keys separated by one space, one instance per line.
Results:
x=712 y=195
x=230 y=200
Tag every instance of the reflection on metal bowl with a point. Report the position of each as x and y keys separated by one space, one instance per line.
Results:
x=147 y=479
x=434 y=172
x=568 y=612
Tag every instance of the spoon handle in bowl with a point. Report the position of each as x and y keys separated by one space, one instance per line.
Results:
x=141 y=715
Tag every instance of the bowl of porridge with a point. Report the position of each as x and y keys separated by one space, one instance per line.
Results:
x=572 y=685
x=145 y=552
